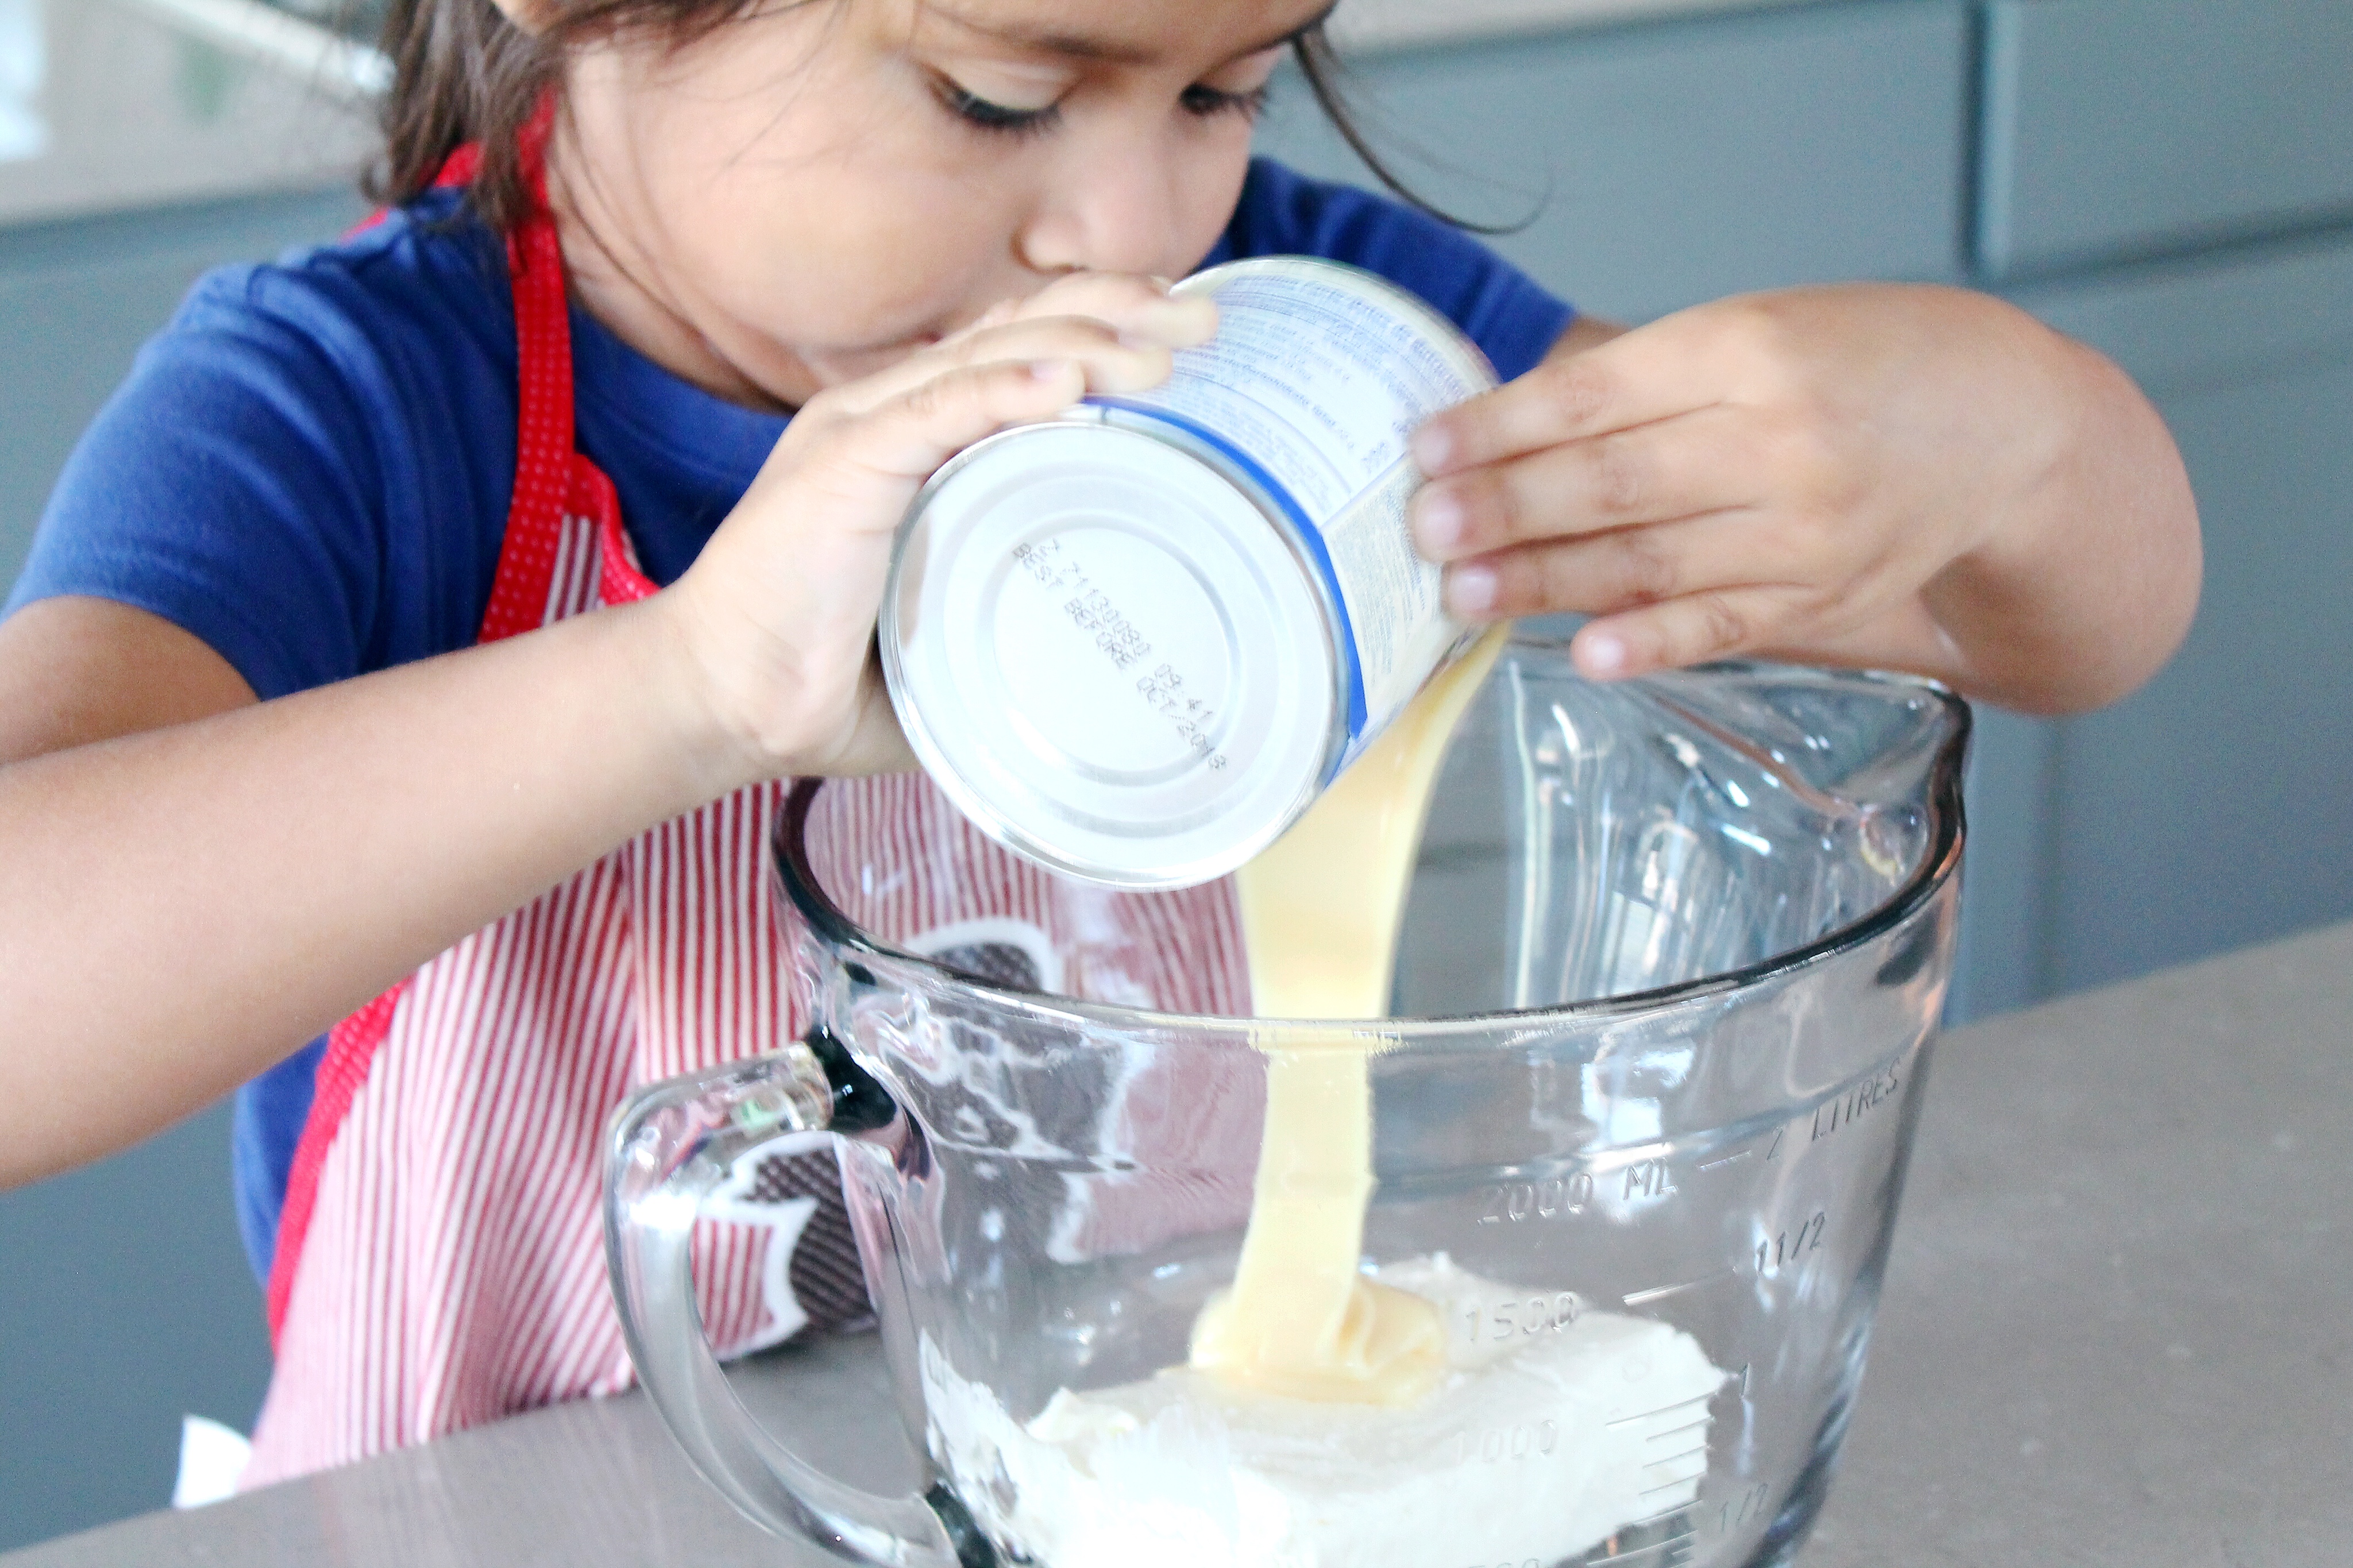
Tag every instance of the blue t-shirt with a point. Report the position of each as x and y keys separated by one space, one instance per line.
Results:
x=310 y=469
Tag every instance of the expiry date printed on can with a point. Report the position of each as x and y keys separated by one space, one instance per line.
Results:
x=1164 y=689
x=1089 y=606
x=1092 y=610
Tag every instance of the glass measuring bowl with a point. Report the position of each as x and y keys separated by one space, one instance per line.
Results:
x=1674 y=962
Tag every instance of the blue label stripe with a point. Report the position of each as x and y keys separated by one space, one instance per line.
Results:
x=1312 y=536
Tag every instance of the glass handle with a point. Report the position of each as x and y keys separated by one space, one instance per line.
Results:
x=672 y=1144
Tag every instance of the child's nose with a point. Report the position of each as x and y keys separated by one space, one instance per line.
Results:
x=1113 y=210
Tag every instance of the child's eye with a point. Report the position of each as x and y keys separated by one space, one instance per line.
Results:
x=1209 y=101
x=977 y=111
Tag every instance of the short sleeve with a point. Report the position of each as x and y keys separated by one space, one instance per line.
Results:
x=1514 y=320
x=232 y=486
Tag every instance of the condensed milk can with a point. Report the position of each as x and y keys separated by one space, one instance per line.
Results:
x=1135 y=643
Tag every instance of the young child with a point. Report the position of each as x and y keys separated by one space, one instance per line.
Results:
x=303 y=701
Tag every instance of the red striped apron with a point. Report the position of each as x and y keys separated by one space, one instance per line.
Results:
x=439 y=1257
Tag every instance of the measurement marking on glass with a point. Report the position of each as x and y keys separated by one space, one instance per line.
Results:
x=1663 y=1553
x=1727 y=1160
x=1699 y=1453
x=1675 y=1548
x=1750 y=1505
x=1660 y=1293
x=1854 y=1106
x=1698 y=1426
x=1650 y=1179
x=1781 y=1253
x=1662 y=1410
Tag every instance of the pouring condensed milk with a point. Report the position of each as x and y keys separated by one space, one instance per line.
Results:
x=1135 y=647
x=1321 y=910
x=1328 y=1416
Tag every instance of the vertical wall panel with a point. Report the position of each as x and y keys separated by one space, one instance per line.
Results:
x=2212 y=809
x=1673 y=162
x=2115 y=128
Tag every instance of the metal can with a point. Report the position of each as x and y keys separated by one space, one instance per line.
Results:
x=1135 y=643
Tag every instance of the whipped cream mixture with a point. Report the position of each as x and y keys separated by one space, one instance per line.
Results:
x=1535 y=1448
x=1333 y=1414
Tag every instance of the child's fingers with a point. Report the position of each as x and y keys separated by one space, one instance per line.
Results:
x=904 y=440
x=1715 y=623
x=1141 y=306
x=1603 y=389
x=1111 y=360
x=850 y=473
x=1603 y=573
x=1700 y=462
x=1730 y=350
x=842 y=493
x=1115 y=361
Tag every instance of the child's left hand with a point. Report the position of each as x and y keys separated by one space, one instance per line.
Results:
x=1900 y=477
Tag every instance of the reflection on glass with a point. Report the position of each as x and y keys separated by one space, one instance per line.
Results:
x=24 y=63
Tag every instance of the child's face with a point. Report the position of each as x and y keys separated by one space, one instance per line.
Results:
x=805 y=196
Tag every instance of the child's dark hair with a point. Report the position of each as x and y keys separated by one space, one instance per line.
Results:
x=463 y=73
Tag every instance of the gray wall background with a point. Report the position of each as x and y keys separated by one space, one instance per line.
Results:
x=2169 y=179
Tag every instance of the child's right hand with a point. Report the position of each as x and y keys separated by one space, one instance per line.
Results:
x=185 y=901
x=777 y=614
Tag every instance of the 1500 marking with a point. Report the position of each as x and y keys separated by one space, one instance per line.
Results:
x=1522 y=1316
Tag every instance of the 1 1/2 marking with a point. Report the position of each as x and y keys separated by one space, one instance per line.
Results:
x=1784 y=1249
x=1744 y=1509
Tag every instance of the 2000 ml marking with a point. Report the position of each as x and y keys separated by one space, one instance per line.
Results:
x=1554 y=1199
x=1564 y=1197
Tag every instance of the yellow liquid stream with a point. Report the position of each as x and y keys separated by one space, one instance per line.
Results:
x=1320 y=913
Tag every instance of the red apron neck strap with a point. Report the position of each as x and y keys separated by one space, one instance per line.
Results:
x=544 y=435
x=461 y=168
x=531 y=154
